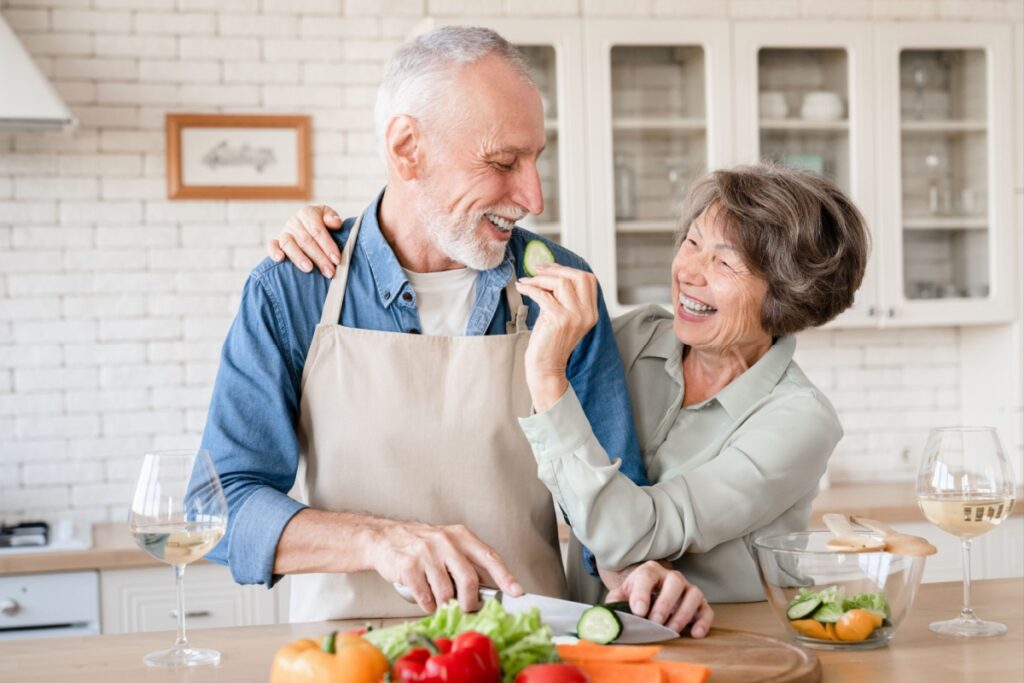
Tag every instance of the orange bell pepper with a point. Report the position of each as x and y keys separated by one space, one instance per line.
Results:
x=338 y=659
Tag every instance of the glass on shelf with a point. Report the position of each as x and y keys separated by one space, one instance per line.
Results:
x=946 y=263
x=802 y=99
x=659 y=148
x=939 y=86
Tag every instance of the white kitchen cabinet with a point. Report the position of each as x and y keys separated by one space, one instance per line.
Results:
x=998 y=554
x=919 y=142
x=134 y=600
x=945 y=223
x=913 y=119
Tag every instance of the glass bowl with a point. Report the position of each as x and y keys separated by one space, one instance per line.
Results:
x=796 y=562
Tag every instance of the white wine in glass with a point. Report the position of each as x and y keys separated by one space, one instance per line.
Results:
x=178 y=514
x=966 y=488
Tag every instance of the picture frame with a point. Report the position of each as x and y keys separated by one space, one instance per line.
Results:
x=238 y=156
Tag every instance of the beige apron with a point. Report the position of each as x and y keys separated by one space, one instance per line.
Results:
x=420 y=428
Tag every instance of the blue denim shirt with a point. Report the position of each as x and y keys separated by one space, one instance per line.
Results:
x=250 y=427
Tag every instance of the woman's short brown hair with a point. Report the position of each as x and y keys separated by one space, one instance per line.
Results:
x=795 y=229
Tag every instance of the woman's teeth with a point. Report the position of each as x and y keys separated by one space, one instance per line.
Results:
x=695 y=307
x=500 y=223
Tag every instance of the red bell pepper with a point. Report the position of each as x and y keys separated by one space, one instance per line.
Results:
x=470 y=658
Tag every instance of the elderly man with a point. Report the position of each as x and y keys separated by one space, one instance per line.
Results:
x=395 y=381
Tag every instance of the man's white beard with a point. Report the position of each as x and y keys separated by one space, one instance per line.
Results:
x=455 y=235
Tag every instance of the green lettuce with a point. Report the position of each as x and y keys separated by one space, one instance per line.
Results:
x=834 y=603
x=522 y=639
x=872 y=602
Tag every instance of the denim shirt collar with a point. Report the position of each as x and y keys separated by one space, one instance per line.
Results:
x=390 y=280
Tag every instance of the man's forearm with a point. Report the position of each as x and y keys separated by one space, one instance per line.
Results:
x=321 y=541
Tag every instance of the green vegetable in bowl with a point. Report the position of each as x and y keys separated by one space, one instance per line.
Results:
x=837 y=613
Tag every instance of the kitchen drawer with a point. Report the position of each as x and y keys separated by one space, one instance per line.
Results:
x=135 y=600
x=62 y=600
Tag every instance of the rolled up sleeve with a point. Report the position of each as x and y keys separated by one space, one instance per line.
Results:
x=250 y=434
x=774 y=459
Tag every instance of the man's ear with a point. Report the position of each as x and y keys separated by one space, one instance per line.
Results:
x=402 y=145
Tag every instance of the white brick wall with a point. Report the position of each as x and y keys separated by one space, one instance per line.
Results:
x=114 y=301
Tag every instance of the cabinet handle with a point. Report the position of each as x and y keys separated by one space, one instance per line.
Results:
x=891 y=312
x=872 y=311
x=9 y=607
x=190 y=615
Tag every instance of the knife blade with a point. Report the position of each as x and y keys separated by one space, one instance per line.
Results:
x=563 y=615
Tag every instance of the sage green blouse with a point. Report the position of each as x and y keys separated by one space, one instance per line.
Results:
x=745 y=462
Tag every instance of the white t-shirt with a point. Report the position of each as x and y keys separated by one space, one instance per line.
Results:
x=444 y=300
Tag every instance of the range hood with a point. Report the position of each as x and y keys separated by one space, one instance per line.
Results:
x=27 y=100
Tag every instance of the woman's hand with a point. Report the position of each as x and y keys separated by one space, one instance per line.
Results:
x=568 y=310
x=305 y=240
x=677 y=602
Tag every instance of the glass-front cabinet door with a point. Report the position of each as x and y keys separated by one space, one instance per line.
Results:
x=948 y=211
x=803 y=100
x=659 y=119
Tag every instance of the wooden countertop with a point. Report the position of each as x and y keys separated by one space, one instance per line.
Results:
x=916 y=654
x=114 y=548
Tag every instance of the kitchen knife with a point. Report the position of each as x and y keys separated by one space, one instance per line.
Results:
x=562 y=616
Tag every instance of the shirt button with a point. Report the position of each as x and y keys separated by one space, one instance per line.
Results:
x=406 y=296
x=387 y=295
x=414 y=331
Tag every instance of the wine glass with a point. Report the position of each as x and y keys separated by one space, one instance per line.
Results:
x=965 y=487
x=178 y=514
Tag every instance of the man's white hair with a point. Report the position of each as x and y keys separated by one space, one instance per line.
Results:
x=415 y=77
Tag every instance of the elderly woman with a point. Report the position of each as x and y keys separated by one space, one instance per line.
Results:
x=735 y=437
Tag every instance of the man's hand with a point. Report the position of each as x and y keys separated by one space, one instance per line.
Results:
x=677 y=602
x=437 y=563
x=305 y=240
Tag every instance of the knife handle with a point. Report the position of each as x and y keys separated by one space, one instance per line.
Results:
x=486 y=593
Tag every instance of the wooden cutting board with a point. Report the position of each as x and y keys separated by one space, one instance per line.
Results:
x=744 y=657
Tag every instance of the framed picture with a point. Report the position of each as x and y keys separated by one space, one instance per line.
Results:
x=229 y=156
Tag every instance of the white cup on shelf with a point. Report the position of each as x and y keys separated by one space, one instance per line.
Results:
x=821 y=105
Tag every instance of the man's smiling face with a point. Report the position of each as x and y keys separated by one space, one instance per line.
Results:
x=481 y=171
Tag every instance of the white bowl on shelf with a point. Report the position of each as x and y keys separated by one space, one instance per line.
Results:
x=821 y=105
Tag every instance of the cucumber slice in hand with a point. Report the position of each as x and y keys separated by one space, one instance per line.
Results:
x=536 y=254
x=599 y=625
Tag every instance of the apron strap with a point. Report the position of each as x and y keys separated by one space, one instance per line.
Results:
x=517 y=309
x=331 y=314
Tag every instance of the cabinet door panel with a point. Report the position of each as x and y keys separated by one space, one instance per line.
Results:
x=946 y=213
x=135 y=600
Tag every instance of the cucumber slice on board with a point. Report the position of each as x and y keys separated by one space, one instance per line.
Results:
x=536 y=254
x=599 y=625
x=799 y=610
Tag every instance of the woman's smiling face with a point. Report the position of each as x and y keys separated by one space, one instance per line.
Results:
x=717 y=297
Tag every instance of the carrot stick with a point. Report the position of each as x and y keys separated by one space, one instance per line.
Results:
x=683 y=672
x=620 y=672
x=608 y=653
